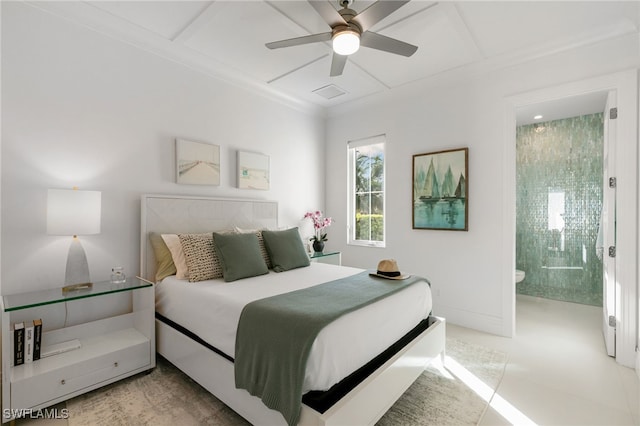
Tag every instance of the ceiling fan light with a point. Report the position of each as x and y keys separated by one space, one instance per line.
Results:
x=346 y=42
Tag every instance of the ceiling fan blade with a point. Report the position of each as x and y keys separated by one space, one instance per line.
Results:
x=388 y=44
x=328 y=13
x=299 y=40
x=377 y=12
x=337 y=64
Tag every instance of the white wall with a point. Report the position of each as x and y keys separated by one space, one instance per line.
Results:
x=80 y=108
x=468 y=270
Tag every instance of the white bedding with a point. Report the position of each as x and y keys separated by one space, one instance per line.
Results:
x=211 y=309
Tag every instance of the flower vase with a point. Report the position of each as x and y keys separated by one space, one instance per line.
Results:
x=318 y=246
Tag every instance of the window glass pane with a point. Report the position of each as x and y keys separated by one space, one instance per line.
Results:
x=363 y=203
x=363 y=227
x=377 y=171
x=377 y=203
x=556 y=211
x=363 y=177
x=367 y=192
x=377 y=216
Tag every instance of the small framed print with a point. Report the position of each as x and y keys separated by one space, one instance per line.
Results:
x=441 y=190
x=253 y=171
x=197 y=163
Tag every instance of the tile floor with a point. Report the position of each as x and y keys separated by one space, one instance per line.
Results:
x=558 y=372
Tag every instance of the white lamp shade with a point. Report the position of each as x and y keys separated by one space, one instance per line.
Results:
x=73 y=212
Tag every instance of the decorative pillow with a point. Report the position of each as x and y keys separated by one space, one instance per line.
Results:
x=203 y=262
x=263 y=249
x=164 y=262
x=240 y=255
x=173 y=244
x=285 y=249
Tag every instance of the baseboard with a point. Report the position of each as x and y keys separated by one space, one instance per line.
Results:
x=474 y=320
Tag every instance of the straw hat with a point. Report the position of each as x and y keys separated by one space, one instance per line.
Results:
x=388 y=268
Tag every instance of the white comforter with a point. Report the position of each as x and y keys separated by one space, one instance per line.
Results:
x=211 y=309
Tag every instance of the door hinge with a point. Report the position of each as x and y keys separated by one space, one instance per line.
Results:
x=612 y=251
x=613 y=113
x=613 y=182
x=612 y=321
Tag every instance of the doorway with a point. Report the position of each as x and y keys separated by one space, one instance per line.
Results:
x=564 y=210
x=565 y=213
x=626 y=300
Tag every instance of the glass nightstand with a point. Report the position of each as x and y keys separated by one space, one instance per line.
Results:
x=78 y=358
x=16 y=302
x=332 y=257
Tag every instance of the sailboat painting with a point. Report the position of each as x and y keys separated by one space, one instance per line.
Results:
x=441 y=189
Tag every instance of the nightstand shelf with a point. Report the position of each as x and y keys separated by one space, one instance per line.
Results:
x=333 y=258
x=110 y=348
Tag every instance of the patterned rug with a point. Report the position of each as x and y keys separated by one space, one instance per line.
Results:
x=451 y=395
x=440 y=396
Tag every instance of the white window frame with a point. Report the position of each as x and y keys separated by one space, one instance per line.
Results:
x=351 y=168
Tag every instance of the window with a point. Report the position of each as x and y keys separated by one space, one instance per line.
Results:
x=366 y=191
x=556 y=220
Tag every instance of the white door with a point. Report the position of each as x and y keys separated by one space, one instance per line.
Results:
x=608 y=223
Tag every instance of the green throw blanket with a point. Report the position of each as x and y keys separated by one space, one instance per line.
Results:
x=275 y=335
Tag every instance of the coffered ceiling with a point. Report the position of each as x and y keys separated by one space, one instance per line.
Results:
x=227 y=38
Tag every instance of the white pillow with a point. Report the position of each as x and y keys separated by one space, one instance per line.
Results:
x=175 y=247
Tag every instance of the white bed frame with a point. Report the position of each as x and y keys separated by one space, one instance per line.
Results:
x=363 y=405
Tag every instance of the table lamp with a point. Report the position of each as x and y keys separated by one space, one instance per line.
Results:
x=74 y=212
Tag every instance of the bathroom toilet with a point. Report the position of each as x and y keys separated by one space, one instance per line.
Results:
x=519 y=275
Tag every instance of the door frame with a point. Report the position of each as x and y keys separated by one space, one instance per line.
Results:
x=625 y=84
x=609 y=197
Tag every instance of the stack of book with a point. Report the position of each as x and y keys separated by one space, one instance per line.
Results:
x=27 y=341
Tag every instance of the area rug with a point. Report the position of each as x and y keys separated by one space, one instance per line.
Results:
x=164 y=397
x=454 y=394
x=168 y=397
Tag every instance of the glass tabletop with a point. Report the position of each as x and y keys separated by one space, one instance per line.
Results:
x=329 y=253
x=16 y=302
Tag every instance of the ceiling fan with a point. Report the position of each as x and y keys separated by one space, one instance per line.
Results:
x=350 y=30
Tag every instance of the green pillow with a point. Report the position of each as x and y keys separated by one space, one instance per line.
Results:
x=285 y=249
x=240 y=256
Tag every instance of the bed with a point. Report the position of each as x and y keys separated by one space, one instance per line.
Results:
x=344 y=383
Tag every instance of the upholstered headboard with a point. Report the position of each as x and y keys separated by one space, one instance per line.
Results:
x=171 y=214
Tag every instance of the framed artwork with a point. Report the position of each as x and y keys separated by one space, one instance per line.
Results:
x=441 y=190
x=197 y=163
x=253 y=171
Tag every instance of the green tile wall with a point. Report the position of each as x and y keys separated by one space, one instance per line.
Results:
x=564 y=157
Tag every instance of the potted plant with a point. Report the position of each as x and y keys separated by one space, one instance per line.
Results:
x=319 y=225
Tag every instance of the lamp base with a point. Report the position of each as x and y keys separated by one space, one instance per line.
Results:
x=77 y=273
